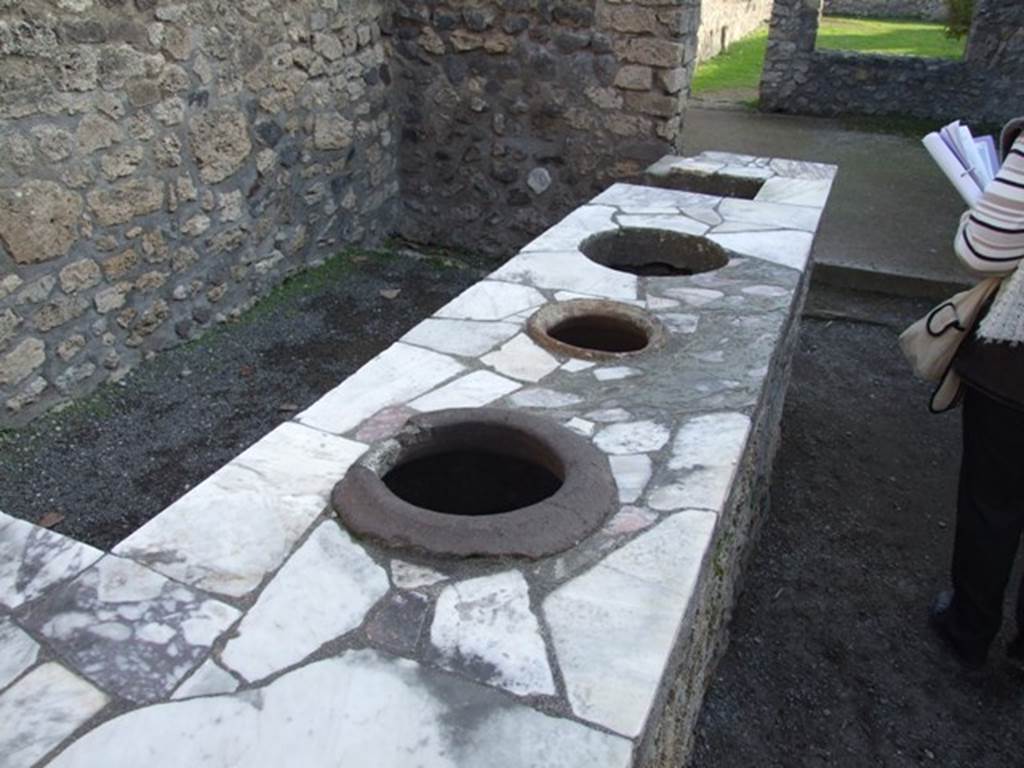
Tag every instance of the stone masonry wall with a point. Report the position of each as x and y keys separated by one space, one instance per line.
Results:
x=162 y=164
x=987 y=86
x=723 y=22
x=515 y=111
x=926 y=10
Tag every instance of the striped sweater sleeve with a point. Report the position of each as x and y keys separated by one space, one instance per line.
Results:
x=991 y=236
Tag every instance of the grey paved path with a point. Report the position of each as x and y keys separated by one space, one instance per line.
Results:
x=891 y=210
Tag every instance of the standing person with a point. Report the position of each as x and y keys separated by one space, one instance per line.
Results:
x=990 y=502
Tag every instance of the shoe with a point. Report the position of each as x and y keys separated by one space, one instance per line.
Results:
x=940 y=617
x=1015 y=652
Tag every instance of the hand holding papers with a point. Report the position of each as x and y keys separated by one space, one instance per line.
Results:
x=969 y=163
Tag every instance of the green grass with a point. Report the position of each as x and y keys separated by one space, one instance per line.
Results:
x=739 y=67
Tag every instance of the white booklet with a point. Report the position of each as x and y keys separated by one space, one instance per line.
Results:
x=970 y=163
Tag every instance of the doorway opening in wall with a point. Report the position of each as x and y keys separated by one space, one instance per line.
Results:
x=733 y=75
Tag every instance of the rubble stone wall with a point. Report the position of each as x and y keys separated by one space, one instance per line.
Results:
x=986 y=86
x=723 y=22
x=516 y=111
x=165 y=163
x=162 y=164
x=926 y=10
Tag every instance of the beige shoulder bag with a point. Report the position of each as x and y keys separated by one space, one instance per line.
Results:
x=931 y=343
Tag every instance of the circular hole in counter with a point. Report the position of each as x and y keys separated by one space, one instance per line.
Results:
x=478 y=482
x=654 y=252
x=595 y=329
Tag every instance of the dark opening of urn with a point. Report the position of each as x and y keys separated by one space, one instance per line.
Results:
x=654 y=252
x=595 y=329
x=472 y=482
x=478 y=481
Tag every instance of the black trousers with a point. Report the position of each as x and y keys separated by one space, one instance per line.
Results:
x=989 y=519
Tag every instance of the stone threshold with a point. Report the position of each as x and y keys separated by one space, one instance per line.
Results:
x=244 y=625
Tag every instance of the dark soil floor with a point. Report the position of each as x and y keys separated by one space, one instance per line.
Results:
x=111 y=462
x=831 y=662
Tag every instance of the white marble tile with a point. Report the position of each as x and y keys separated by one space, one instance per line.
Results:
x=491 y=300
x=305 y=461
x=632 y=437
x=581 y=426
x=473 y=390
x=569 y=271
x=576 y=227
x=541 y=397
x=747 y=172
x=788 y=248
x=655 y=303
x=767 y=291
x=673 y=223
x=322 y=592
x=631 y=198
x=411 y=576
x=801 y=169
x=774 y=215
x=669 y=163
x=704 y=213
x=398 y=374
x=359 y=709
x=575 y=366
x=731 y=227
x=726 y=158
x=32 y=559
x=609 y=415
x=239 y=524
x=573 y=295
x=712 y=439
x=467 y=338
x=130 y=630
x=208 y=680
x=632 y=473
x=616 y=372
x=41 y=710
x=521 y=359
x=615 y=626
x=695 y=297
x=18 y=652
x=484 y=627
x=709 y=448
x=795 y=192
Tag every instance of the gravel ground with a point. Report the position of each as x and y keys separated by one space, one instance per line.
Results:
x=830 y=661
x=108 y=464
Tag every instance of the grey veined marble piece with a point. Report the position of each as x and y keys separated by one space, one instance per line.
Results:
x=484 y=628
x=32 y=559
x=18 y=652
x=41 y=710
x=322 y=592
x=614 y=627
x=129 y=629
x=359 y=709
